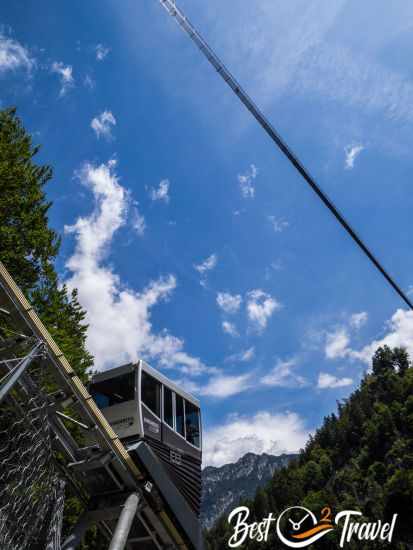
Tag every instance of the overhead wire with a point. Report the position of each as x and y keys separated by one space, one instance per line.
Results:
x=186 y=26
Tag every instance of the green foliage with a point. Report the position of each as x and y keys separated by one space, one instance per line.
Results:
x=28 y=246
x=360 y=459
x=27 y=243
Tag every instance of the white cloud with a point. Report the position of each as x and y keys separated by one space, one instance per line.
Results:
x=283 y=375
x=89 y=82
x=400 y=334
x=230 y=328
x=103 y=124
x=119 y=317
x=101 y=52
x=207 y=264
x=352 y=152
x=161 y=193
x=222 y=386
x=328 y=381
x=13 y=55
x=243 y=356
x=204 y=267
x=230 y=303
x=260 y=308
x=219 y=385
x=65 y=73
x=278 y=224
x=337 y=344
x=246 y=182
x=357 y=320
x=138 y=221
x=263 y=432
x=292 y=50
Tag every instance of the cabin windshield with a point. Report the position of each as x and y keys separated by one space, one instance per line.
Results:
x=151 y=393
x=192 y=423
x=168 y=409
x=113 y=390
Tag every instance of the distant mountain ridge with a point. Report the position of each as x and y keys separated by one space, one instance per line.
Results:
x=225 y=486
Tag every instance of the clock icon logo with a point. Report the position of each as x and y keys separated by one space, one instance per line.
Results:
x=297 y=527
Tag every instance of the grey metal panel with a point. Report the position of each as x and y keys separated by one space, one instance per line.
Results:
x=171 y=438
x=152 y=425
x=176 y=503
x=111 y=373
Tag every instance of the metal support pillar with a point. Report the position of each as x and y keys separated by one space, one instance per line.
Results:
x=74 y=540
x=13 y=376
x=124 y=524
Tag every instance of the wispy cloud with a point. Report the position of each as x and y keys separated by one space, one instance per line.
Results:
x=230 y=328
x=119 y=318
x=229 y=303
x=65 y=73
x=205 y=267
x=351 y=153
x=278 y=224
x=260 y=308
x=243 y=356
x=264 y=432
x=102 y=125
x=138 y=221
x=358 y=320
x=398 y=333
x=89 y=83
x=337 y=344
x=222 y=386
x=328 y=381
x=246 y=182
x=283 y=375
x=101 y=52
x=161 y=193
x=13 y=55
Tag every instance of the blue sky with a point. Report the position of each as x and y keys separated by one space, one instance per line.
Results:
x=192 y=241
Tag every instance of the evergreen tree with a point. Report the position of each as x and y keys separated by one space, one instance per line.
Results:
x=28 y=246
x=360 y=459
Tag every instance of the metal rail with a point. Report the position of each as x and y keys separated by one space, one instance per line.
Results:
x=10 y=379
x=125 y=521
x=231 y=81
x=112 y=462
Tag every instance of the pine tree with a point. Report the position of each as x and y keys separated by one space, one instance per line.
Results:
x=359 y=459
x=28 y=246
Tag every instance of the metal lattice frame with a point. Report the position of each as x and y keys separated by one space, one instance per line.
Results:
x=31 y=492
x=52 y=430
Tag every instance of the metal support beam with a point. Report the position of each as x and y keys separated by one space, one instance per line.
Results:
x=74 y=540
x=124 y=524
x=13 y=376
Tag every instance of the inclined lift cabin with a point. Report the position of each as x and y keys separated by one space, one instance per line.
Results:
x=134 y=459
x=143 y=405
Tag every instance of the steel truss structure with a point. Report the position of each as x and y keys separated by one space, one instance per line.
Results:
x=125 y=492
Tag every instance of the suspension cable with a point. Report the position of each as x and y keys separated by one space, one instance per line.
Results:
x=230 y=80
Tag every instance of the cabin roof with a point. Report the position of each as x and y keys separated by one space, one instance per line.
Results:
x=123 y=369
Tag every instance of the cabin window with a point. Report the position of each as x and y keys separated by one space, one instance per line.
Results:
x=192 y=423
x=180 y=426
x=113 y=390
x=151 y=393
x=168 y=412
